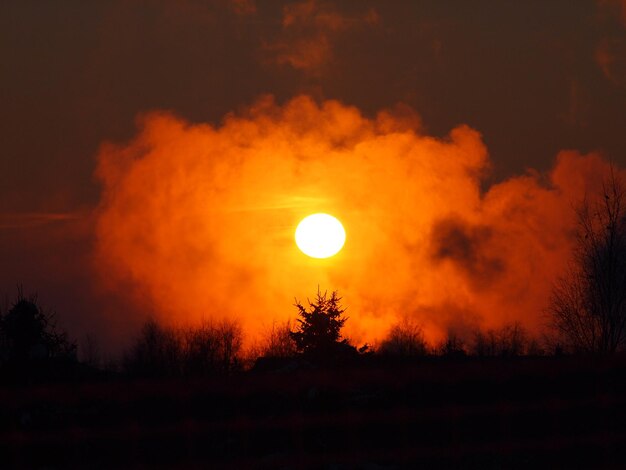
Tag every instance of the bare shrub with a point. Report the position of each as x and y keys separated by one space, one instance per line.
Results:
x=156 y=352
x=278 y=341
x=510 y=340
x=211 y=348
x=452 y=345
x=535 y=347
x=485 y=344
x=404 y=339
x=89 y=351
x=230 y=340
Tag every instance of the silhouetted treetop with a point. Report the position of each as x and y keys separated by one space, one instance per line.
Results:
x=588 y=304
x=320 y=325
x=210 y=348
x=28 y=333
x=405 y=338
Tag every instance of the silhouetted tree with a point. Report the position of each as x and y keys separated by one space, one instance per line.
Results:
x=510 y=340
x=211 y=348
x=535 y=347
x=28 y=334
x=230 y=340
x=513 y=340
x=588 y=304
x=278 y=341
x=207 y=349
x=319 y=329
x=452 y=345
x=89 y=352
x=404 y=339
x=485 y=343
x=156 y=352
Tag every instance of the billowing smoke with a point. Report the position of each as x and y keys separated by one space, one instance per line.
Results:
x=197 y=221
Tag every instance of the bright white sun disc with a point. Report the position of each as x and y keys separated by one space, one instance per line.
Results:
x=320 y=235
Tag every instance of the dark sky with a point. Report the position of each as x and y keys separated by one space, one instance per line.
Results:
x=525 y=74
x=532 y=77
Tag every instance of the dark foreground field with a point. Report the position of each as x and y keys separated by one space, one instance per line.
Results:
x=433 y=413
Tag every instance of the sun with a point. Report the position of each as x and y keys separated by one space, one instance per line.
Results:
x=320 y=235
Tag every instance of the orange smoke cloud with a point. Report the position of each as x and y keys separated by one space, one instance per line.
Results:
x=198 y=221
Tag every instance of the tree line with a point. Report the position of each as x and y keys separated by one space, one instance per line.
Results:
x=586 y=314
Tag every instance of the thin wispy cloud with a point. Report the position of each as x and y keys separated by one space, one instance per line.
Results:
x=18 y=220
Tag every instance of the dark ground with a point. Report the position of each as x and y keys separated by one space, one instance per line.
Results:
x=430 y=413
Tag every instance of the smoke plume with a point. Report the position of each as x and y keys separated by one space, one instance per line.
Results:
x=197 y=221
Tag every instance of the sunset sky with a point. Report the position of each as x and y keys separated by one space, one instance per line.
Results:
x=158 y=155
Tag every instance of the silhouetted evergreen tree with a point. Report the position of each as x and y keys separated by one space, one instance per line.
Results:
x=320 y=326
x=29 y=334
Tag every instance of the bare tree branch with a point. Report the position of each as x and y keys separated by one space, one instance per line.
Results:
x=588 y=304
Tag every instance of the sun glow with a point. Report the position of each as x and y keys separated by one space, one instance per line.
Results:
x=320 y=235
